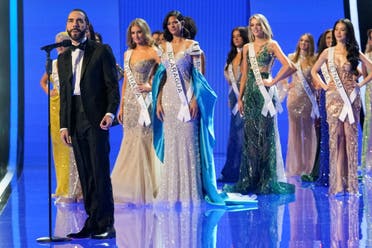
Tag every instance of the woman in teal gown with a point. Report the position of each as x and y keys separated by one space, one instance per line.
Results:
x=259 y=170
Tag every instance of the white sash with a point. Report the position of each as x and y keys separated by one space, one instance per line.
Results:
x=234 y=88
x=184 y=112
x=268 y=104
x=144 y=116
x=325 y=73
x=309 y=92
x=347 y=110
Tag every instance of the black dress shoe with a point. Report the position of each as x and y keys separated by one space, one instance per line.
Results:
x=107 y=233
x=83 y=234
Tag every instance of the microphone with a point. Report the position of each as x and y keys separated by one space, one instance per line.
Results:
x=64 y=43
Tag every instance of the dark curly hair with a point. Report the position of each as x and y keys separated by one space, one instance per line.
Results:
x=352 y=46
x=167 y=35
x=233 y=51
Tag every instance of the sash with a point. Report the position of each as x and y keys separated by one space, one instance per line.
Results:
x=234 y=88
x=347 y=110
x=184 y=112
x=268 y=104
x=144 y=116
x=325 y=73
x=309 y=92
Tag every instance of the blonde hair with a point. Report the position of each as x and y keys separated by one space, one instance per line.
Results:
x=142 y=24
x=266 y=29
x=62 y=35
x=310 y=55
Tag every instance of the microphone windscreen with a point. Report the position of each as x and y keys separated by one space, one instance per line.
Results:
x=66 y=43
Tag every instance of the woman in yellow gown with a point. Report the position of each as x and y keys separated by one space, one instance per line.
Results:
x=68 y=187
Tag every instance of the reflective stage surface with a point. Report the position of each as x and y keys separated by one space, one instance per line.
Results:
x=310 y=218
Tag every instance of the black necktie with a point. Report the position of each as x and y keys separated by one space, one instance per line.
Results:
x=81 y=46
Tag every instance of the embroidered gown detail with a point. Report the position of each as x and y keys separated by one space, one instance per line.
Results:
x=302 y=141
x=261 y=165
x=134 y=177
x=343 y=136
x=180 y=175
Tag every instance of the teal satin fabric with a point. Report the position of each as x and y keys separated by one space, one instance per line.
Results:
x=158 y=139
x=206 y=99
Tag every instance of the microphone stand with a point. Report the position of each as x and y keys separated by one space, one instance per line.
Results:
x=50 y=238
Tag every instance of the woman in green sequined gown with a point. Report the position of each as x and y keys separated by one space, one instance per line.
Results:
x=259 y=170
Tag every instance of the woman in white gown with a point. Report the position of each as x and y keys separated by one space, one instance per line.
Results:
x=183 y=127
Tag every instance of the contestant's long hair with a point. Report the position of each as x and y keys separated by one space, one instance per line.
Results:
x=352 y=46
x=268 y=34
x=184 y=32
x=142 y=24
x=233 y=49
x=310 y=53
x=322 y=42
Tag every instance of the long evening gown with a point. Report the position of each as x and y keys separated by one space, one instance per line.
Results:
x=180 y=175
x=367 y=127
x=302 y=141
x=260 y=152
x=343 y=136
x=134 y=175
x=67 y=178
x=230 y=171
x=320 y=172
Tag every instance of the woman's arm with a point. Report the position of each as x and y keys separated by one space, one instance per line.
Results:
x=287 y=69
x=367 y=64
x=317 y=80
x=44 y=85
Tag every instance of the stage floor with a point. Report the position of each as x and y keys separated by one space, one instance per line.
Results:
x=310 y=218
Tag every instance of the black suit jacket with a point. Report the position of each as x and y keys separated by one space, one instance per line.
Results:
x=99 y=86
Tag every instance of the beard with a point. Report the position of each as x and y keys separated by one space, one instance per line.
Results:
x=76 y=36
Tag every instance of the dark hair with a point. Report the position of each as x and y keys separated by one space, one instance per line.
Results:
x=98 y=37
x=85 y=14
x=233 y=51
x=190 y=25
x=157 y=32
x=167 y=35
x=322 y=42
x=352 y=46
x=91 y=32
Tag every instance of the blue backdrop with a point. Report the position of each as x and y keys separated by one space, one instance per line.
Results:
x=215 y=20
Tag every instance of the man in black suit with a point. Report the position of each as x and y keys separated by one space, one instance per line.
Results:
x=89 y=99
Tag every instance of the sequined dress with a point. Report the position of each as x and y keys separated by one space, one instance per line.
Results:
x=258 y=169
x=302 y=140
x=180 y=175
x=134 y=175
x=367 y=129
x=67 y=178
x=343 y=136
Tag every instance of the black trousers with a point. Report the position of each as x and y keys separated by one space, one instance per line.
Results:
x=91 y=149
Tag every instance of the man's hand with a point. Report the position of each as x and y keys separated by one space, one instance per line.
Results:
x=66 y=138
x=106 y=122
